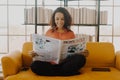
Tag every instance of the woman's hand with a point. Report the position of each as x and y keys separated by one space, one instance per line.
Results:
x=85 y=53
x=33 y=53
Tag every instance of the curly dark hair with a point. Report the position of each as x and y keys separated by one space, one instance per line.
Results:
x=67 y=19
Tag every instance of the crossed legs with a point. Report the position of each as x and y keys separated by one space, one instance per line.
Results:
x=69 y=66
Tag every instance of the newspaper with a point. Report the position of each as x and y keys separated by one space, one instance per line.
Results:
x=55 y=50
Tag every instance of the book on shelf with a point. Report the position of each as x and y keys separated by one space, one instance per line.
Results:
x=55 y=50
x=43 y=15
x=103 y=17
x=82 y=15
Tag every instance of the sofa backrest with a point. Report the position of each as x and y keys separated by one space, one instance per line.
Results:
x=27 y=59
x=101 y=54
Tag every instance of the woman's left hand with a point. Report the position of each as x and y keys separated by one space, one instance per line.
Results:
x=85 y=53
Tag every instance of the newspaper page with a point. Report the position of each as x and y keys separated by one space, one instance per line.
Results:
x=73 y=46
x=47 y=49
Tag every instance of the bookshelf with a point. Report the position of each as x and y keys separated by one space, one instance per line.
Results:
x=97 y=17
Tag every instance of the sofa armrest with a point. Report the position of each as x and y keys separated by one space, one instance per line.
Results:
x=118 y=60
x=11 y=63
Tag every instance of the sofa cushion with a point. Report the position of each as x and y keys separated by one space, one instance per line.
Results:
x=86 y=74
x=100 y=54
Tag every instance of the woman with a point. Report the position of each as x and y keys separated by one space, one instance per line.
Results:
x=60 y=29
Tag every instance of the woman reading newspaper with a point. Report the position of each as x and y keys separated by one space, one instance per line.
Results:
x=60 y=29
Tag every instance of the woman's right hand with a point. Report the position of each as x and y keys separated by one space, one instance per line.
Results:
x=33 y=53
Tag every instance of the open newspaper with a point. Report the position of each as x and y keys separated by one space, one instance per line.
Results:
x=54 y=50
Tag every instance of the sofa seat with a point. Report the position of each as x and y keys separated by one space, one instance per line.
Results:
x=86 y=74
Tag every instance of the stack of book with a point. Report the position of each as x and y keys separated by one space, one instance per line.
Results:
x=79 y=15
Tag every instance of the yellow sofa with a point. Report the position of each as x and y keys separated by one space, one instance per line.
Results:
x=101 y=55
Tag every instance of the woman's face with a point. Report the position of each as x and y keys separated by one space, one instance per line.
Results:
x=59 y=19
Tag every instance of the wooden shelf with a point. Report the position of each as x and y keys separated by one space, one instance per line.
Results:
x=73 y=24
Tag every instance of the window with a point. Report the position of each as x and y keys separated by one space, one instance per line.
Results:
x=13 y=31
